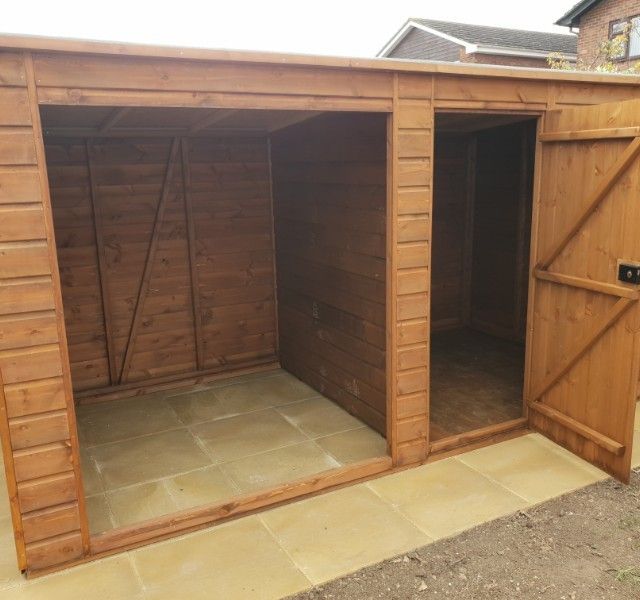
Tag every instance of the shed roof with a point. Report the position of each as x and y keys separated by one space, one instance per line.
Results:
x=80 y=46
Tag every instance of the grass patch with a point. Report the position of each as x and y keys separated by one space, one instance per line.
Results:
x=631 y=522
x=628 y=575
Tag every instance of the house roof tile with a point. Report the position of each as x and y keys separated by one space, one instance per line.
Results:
x=516 y=39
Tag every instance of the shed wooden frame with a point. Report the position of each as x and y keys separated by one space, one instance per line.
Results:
x=37 y=415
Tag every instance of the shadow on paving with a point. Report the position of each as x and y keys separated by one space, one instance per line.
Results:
x=584 y=545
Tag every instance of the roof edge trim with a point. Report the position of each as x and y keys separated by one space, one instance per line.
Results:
x=395 y=40
x=505 y=51
x=468 y=47
x=13 y=42
x=572 y=17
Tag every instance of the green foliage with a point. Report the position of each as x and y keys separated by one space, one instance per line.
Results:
x=629 y=575
x=605 y=59
x=631 y=522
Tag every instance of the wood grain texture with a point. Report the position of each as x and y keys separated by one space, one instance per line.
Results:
x=584 y=349
x=330 y=247
x=483 y=191
x=150 y=256
x=38 y=432
x=233 y=245
x=98 y=231
x=191 y=242
x=51 y=522
x=216 y=264
x=409 y=254
x=501 y=229
x=415 y=73
x=157 y=74
x=452 y=171
x=56 y=550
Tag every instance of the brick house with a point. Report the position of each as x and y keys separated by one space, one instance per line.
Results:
x=600 y=20
x=426 y=39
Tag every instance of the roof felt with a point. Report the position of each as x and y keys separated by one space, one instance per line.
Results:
x=125 y=52
x=517 y=39
x=572 y=17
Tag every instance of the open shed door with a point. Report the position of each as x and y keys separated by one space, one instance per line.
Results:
x=583 y=351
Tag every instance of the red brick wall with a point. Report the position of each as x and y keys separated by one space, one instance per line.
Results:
x=594 y=26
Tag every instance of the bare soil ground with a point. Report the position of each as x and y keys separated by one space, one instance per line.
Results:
x=582 y=546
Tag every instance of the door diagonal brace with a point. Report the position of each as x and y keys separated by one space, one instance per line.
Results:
x=598 y=329
x=598 y=194
x=151 y=253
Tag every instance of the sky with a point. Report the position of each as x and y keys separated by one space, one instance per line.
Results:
x=334 y=27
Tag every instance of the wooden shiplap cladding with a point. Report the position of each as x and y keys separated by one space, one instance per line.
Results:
x=481 y=224
x=165 y=251
x=330 y=199
x=409 y=214
x=166 y=257
x=36 y=409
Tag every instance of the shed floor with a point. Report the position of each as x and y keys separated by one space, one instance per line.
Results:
x=157 y=454
x=476 y=381
x=291 y=548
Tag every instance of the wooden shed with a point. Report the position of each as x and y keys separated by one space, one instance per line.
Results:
x=367 y=263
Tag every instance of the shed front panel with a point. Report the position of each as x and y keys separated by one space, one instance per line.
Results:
x=584 y=323
x=36 y=409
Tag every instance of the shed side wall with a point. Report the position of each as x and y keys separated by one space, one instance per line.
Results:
x=451 y=206
x=330 y=200
x=39 y=434
x=501 y=235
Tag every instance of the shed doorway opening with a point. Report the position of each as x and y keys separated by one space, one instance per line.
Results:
x=482 y=202
x=223 y=282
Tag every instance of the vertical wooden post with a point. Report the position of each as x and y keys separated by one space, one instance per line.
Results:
x=102 y=265
x=273 y=249
x=409 y=268
x=522 y=227
x=391 y=352
x=10 y=476
x=48 y=496
x=191 y=243
x=533 y=251
x=55 y=277
x=467 y=266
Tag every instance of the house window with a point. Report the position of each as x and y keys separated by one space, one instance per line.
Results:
x=630 y=28
x=618 y=28
x=634 y=38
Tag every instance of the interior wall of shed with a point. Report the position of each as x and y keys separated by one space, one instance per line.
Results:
x=111 y=189
x=326 y=181
x=481 y=229
x=329 y=177
x=483 y=182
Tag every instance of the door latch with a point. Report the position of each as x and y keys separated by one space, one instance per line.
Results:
x=629 y=273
